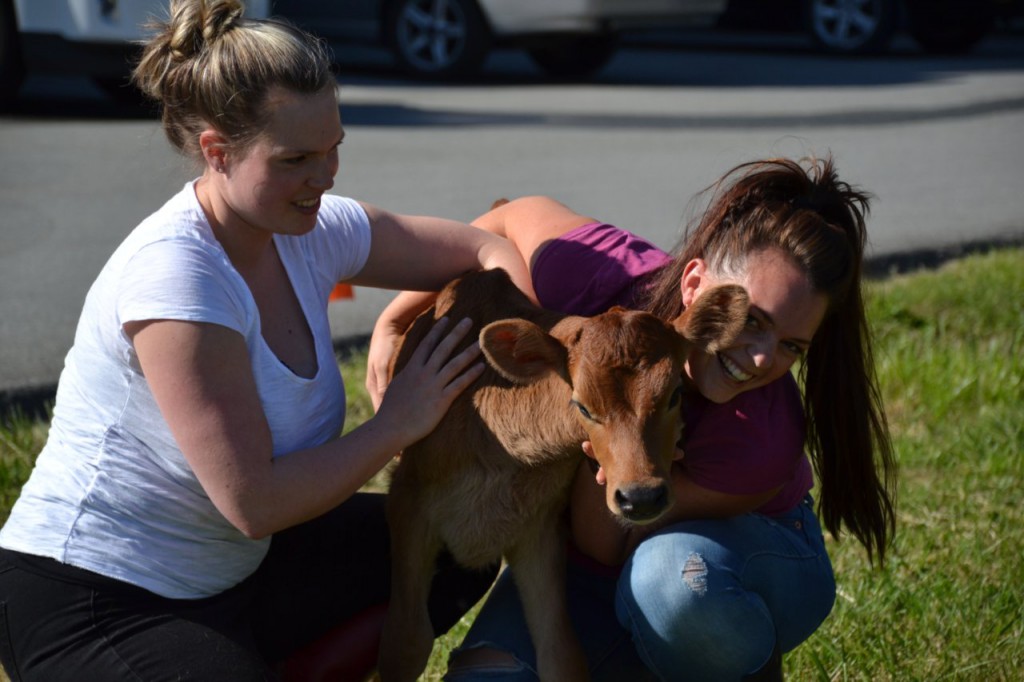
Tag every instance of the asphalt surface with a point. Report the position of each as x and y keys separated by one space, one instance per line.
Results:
x=938 y=140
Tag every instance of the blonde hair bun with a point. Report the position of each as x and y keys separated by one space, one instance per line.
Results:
x=210 y=66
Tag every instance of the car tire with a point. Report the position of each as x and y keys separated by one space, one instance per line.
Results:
x=438 y=39
x=12 y=66
x=949 y=26
x=858 y=27
x=575 y=56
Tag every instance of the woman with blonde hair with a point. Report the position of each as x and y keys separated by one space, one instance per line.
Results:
x=194 y=513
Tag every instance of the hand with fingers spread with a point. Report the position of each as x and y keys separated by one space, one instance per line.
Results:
x=420 y=394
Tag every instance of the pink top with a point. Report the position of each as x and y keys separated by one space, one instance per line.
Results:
x=748 y=445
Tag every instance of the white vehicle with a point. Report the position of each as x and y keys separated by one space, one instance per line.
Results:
x=76 y=37
x=429 y=38
x=449 y=38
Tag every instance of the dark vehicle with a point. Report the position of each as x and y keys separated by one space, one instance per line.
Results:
x=868 y=26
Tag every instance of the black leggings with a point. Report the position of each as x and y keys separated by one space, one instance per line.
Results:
x=58 y=622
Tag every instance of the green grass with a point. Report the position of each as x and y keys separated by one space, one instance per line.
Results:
x=949 y=604
x=21 y=439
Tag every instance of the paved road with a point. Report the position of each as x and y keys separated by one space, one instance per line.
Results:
x=940 y=141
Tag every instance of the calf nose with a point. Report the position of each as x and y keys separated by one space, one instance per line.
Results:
x=640 y=503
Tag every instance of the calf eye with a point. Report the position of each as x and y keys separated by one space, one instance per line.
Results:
x=583 y=410
x=676 y=396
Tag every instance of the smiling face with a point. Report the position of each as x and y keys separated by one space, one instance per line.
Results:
x=275 y=184
x=785 y=312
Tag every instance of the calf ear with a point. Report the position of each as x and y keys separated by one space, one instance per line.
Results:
x=716 y=318
x=521 y=351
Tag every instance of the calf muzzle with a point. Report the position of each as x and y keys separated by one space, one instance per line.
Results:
x=642 y=503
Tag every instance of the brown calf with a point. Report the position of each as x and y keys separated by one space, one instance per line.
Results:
x=492 y=479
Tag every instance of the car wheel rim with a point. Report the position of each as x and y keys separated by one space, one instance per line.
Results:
x=432 y=33
x=846 y=24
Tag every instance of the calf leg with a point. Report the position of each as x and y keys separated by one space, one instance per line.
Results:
x=538 y=565
x=408 y=635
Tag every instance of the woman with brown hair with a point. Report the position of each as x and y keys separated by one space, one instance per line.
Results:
x=737 y=572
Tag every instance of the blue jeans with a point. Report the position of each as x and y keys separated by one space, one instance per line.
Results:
x=699 y=600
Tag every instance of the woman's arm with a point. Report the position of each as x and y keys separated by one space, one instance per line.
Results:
x=531 y=223
x=423 y=253
x=203 y=384
x=601 y=536
x=391 y=324
x=526 y=224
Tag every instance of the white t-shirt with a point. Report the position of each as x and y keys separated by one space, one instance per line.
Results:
x=111 y=492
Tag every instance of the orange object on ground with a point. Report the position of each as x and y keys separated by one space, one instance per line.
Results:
x=341 y=290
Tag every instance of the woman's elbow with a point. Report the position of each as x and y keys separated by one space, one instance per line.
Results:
x=254 y=531
x=252 y=521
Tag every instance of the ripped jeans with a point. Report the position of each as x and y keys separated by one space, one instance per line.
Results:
x=699 y=600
